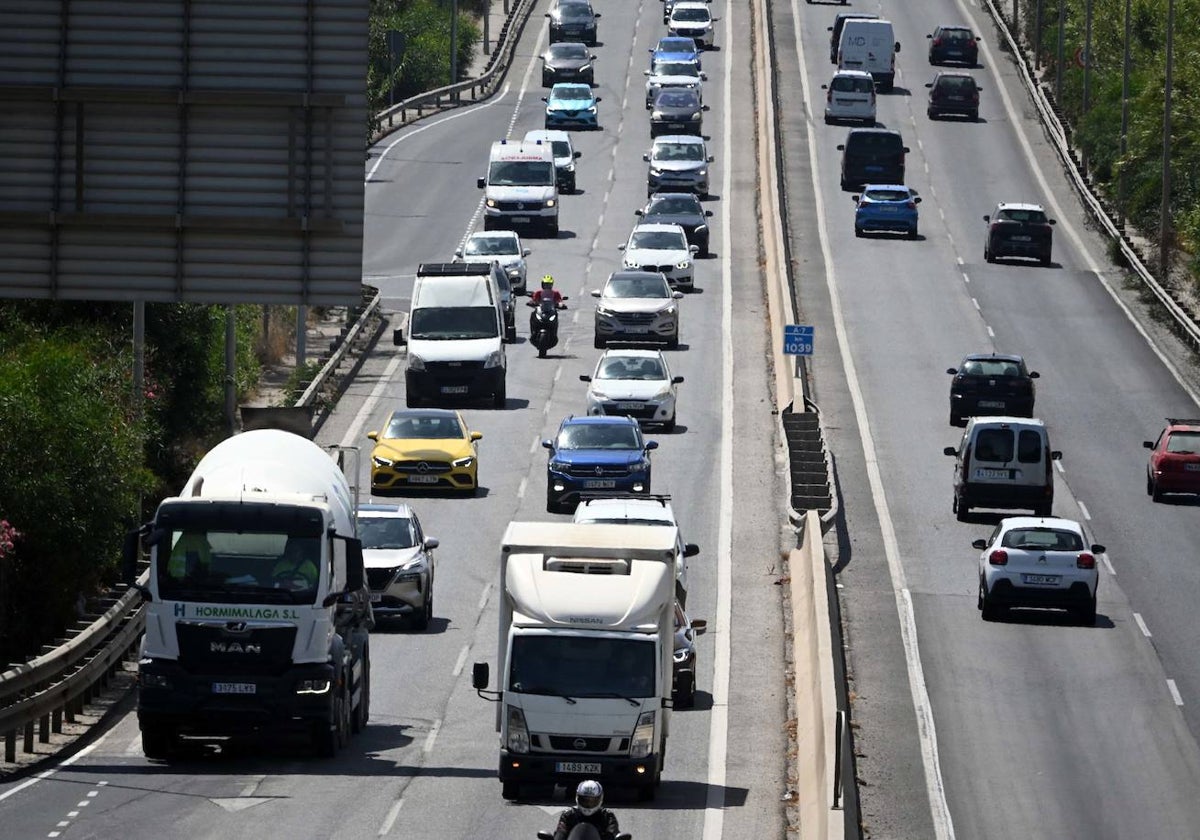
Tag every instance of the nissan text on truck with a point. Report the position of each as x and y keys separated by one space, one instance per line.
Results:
x=257 y=614
x=584 y=655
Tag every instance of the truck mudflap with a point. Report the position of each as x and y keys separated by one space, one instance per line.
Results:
x=571 y=768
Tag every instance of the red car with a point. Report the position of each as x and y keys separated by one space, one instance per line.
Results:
x=1174 y=459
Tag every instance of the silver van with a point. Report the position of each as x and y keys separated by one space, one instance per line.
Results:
x=1003 y=462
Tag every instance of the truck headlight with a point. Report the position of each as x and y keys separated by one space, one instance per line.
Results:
x=493 y=360
x=643 y=735
x=518 y=733
x=415 y=362
x=491 y=202
x=551 y=202
x=464 y=462
x=317 y=686
x=153 y=680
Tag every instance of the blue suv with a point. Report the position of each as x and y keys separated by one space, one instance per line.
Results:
x=596 y=454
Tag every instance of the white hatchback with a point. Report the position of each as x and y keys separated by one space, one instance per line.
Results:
x=634 y=382
x=850 y=95
x=1033 y=561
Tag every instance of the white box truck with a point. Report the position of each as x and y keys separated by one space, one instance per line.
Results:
x=584 y=655
x=257 y=614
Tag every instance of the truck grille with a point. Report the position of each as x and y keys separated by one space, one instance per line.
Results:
x=580 y=743
x=513 y=206
x=222 y=649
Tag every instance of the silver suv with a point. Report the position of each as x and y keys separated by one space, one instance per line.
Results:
x=399 y=563
x=639 y=307
x=678 y=163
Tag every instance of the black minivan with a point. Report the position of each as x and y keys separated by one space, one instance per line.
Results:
x=872 y=156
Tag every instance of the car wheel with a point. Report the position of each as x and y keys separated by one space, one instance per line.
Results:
x=1045 y=261
x=913 y=234
x=669 y=425
x=546 y=80
x=685 y=698
x=991 y=611
x=704 y=251
x=420 y=620
x=571 y=185
x=1155 y=494
x=961 y=509
x=858 y=231
x=510 y=334
x=987 y=255
x=500 y=398
x=979 y=596
x=974 y=116
x=362 y=713
x=552 y=229
x=552 y=504
x=1086 y=615
x=828 y=121
x=955 y=418
x=510 y=791
x=673 y=342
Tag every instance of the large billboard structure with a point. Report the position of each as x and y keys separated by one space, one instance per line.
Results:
x=206 y=151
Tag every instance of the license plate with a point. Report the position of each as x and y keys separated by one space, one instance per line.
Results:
x=991 y=403
x=874 y=168
x=520 y=220
x=1021 y=239
x=599 y=484
x=1040 y=580
x=888 y=209
x=637 y=330
x=234 y=688
x=632 y=406
x=953 y=52
x=376 y=597
x=1192 y=467
x=588 y=767
x=986 y=473
x=453 y=389
x=422 y=479
x=675 y=125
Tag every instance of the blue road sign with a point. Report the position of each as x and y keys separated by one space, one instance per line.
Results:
x=797 y=340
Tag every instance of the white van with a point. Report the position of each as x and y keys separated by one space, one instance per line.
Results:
x=521 y=187
x=455 y=335
x=869 y=45
x=1003 y=462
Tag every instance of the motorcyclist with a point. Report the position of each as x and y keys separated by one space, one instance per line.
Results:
x=589 y=808
x=547 y=291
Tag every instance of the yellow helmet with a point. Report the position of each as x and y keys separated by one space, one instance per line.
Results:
x=547 y=281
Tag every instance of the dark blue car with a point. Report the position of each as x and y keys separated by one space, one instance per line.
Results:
x=596 y=454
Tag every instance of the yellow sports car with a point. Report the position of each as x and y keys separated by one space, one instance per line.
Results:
x=422 y=448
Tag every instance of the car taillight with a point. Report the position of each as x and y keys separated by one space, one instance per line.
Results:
x=975 y=98
x=1085 y=560
x=999 y=557
x=937 y=42
x=911 y=205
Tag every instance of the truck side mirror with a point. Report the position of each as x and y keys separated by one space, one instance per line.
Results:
x=690 y=549
x=481 y=182
x=479 y=676
x=356 y=576
x=398 y=337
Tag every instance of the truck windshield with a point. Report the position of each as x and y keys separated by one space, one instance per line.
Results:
x=577 y=666
x=521 y=173
x=196 y=564
x=445 y=323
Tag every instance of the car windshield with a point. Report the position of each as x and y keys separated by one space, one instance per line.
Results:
x=677 y=99
x=657 y=240
x=677 y=45
x=643 y=368
x=574 y=666
x=674 y=206
x=676 y=68
x=886 y=195
x=383 y=532
x=570 y=93
x=1028 y=216
x=521 y=173
x=637 y=287
x=678 y=151
x=446 y=323
x=1043 y=539
x=598 y=436
x=991 y=367
x=423 y=427
x=570 y=51
x=561 y=148
x=574 y=12
x=1187 y=443
x=691 y=15
x=491 y=246
x=852 y=84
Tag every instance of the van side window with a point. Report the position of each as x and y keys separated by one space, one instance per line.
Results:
x=1029 y=447
x=994 y=445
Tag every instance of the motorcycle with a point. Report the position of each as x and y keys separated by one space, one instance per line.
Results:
x=543 y=324
x=583 y=831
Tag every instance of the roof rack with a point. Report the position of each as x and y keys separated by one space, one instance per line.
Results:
x=661 y=498
x=1183 y=421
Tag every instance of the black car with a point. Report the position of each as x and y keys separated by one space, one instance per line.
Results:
x=872 y=156
x=990 y=384
x=953 y=44
x=683 y=209
x=574 y=20
x=676 y=111
x=836 y=29
x=508 y=305
x=953 y=93
x=683 y=674
x=1019 y=230
x=569 y=61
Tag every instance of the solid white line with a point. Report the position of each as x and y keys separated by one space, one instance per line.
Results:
x=461 y=662
x=1175 y=695
x=354 y=432
x=522 y=487
x=1058 y=466
x=1108 y=565
x=390 y=820
x=966 y=277
x=432 y=736
x=1083 y=509
x=976 y=303
x=483 y=596
x=991 y=332
x=718 y=727
x=1142 y=625
x=943 y=824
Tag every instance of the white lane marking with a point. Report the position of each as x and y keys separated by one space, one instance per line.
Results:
x=45 y=774
x=461 y=662
x=432 y=736
x=1083 y=509
x=1058 y=466
x=84 y=803
x=54 y=834
x=966 y=277
x=72 y=814
x=557 y=373
x=390 y=819
x=943 y=824
x=92 y=794
x=533 y=446
x=61 y=824
x=356 y=426
x=522 y=487
x=960 y=262
x=991 y=332
x=1064 y=222
x=718 y=728
x=1175 y=695
x=1142 y=625
x=976 y=304
x=1108 y=565
x=252 y=785
x=483 y=596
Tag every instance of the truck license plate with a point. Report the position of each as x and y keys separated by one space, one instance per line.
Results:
x=422 y=479
x=589 y=767
x=234 y=688
x=1040 y=580
x=454 y=389
x=599 y=484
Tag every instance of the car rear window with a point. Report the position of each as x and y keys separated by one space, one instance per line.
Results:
x=959 y=84
x=887 y=195
x=1184 y=442
x=1029 y=447
x=852 y=84
x=955 y=34
x=1011 y=215
x=991 y=367
x=1043 y=539
x=873 y=142
x=994 y=445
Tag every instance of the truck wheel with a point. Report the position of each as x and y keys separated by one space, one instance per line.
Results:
x=362 y=713
x=158 y=741
x=646 y=792
x=510 y=791
x=329 y=736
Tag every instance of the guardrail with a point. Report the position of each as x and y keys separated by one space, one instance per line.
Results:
x=1062 y=146
x=451 y=96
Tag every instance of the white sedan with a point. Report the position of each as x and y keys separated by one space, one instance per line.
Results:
x=663 y=248
x=1036 y=561
x=636 y=383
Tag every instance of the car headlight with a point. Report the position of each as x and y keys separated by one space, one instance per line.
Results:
x=680 y=655
x=643 y=464
x=415 y=362
x=703 y=171
x=557 y=466
x=670 y=310
x=491 y=202
x=696 y=115
x=604 y=310
x=514 y=272
x=493 y=360
x=464 y=462
x=408 y=577
x=701 y=227
x=380 y=461
x=656 y=172
x=591 y=109
x=683 y=265
x=550 y=202
x=570 y=167
x=663 y=392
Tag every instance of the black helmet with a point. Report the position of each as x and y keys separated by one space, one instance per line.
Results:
x=589 y=796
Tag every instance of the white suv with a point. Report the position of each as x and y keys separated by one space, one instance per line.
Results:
x=1032 y=561
x=399 y=562
x=641 y=509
